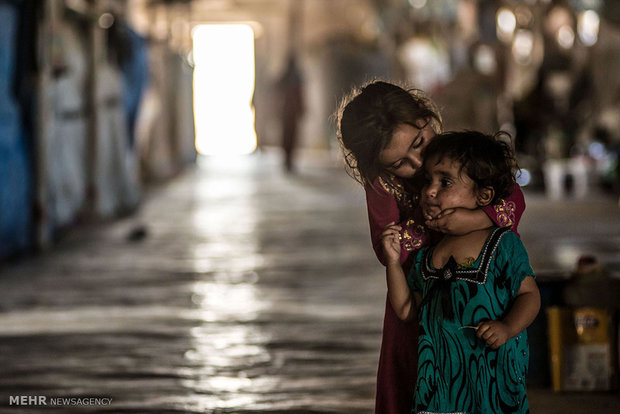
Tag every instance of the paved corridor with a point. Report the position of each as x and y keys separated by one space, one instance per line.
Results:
x=235 y=289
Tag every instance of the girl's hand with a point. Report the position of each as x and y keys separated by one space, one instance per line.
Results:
x=458 y=221
x=494 y=333
x=390 y=239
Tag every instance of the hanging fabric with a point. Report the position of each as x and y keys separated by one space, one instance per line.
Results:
x=116 y=179
x=66 y=128
x=15 y=173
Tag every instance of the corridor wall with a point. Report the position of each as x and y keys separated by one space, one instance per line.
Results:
x=15 y=173
x=74 y=121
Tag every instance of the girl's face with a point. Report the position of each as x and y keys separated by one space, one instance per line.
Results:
x=403 y=155
x=446 y=186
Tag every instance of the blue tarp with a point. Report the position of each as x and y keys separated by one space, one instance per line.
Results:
x=135 y=74
x=15 y=174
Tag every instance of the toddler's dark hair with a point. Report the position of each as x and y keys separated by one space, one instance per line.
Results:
x=487 y=159
x=367 y=118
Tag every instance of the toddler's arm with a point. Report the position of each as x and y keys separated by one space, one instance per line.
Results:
x=398 y=291
x=521 y=315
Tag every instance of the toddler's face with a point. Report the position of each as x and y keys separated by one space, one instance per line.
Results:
x=403 y=156
x=446 y=187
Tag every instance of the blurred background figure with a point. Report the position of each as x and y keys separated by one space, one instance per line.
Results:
x=291 y=98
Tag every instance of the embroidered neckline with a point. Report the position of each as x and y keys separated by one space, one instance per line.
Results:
x=477 y=275
x=398 y=191
x=467 y=264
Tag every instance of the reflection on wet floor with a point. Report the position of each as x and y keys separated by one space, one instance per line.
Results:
x=249 y=292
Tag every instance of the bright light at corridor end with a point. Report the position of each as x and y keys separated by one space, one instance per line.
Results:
x=223 y=88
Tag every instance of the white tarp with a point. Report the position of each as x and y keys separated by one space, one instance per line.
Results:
x=117 y=187
x=65 y=128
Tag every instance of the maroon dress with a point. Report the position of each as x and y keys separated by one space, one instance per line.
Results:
x=398 y=361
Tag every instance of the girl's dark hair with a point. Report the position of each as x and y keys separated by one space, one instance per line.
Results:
x=367 y=118
x=487 y=159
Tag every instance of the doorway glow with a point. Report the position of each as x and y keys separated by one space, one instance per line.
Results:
x=223 y=88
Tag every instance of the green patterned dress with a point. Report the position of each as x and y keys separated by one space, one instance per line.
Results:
x=457 y=372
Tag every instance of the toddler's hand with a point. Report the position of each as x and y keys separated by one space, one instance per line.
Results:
x=390 y=239
x=494 y=333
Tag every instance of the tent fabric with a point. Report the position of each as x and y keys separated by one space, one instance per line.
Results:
x=65 y=130
x=15 y=174
x=165 y=126
x=80 y=162
x=154 y=126
x=135 y=74
x=184 y=112
x=116 y=179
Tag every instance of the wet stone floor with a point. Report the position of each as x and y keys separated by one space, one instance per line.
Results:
x=251 y=291
x=235 y=289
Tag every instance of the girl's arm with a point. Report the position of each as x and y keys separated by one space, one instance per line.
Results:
x=460 y=221
x=507 y=212
x=401 y=299
x=522 y=313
